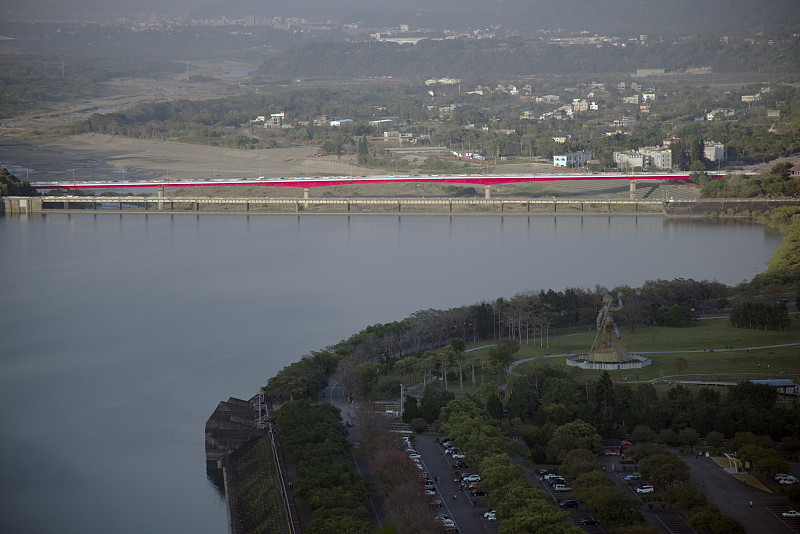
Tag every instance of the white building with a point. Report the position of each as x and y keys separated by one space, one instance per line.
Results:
x=629 y=159
x=714 y=151
x=658 y=156
x=573 y=159
x=648 y=156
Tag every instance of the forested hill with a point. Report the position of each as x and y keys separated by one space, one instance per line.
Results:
x=528 y=16
x=492 y=58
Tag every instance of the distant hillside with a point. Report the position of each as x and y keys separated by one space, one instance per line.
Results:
x=494 y=58
x=528 y=16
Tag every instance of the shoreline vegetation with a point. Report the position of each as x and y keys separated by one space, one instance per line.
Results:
x=454 y=365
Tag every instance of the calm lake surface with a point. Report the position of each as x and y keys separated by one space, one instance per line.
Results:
x=120 y=334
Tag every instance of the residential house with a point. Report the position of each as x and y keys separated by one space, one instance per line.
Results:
x=562 y=138
x=275 y=121
x=624 y=121
x=719 y=112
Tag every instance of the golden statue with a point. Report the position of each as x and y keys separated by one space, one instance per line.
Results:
x=606 y=350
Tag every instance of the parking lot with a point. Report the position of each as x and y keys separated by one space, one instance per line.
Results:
x=466 y=510
x=791 y=523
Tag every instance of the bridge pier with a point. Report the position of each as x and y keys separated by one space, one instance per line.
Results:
x=487 y=192
x=161 y=198
x=306 y=196
x=633 y=189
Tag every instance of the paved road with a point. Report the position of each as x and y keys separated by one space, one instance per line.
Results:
x=378 y=511
x=734 y=496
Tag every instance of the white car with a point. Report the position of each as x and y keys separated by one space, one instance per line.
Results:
x=791 y=513
x=459 y=456
x=490 y=512
x=561 y=487
x=415 y=456
x=471 y=478
x=645 y=489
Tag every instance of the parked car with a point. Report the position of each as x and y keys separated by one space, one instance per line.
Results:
x=645 y=489
x=437 y=502
x=557 y=480
x=478 y=492
x=791 y=513
x=569 y=503
x=490 y=512
x=633 y=476
x=472 y=477
x=787 y=481
x=561 y=487
x=461 y=464
x=589 y=521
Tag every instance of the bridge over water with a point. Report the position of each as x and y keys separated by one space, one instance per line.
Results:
x=307 y=183
x=163 y=201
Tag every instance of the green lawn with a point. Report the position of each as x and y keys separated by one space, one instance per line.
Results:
x=692 y=352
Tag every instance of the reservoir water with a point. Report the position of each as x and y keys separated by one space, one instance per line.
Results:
x=120 y=334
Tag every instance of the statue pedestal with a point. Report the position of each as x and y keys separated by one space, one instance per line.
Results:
x=617 y=352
